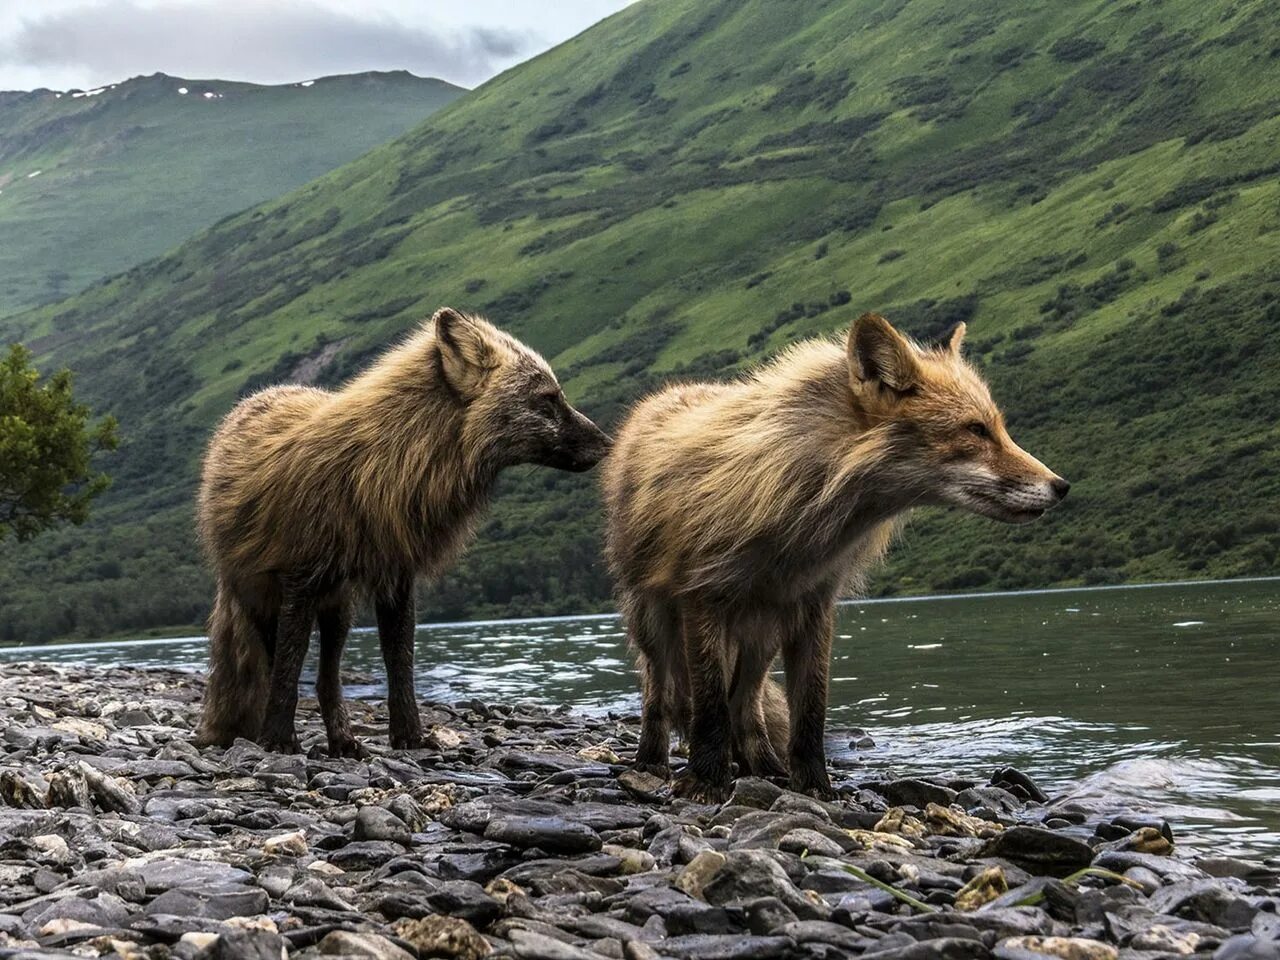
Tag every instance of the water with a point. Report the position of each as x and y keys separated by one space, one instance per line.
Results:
x=1165 y=698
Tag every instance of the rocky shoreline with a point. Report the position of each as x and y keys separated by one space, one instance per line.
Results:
x=520 y=831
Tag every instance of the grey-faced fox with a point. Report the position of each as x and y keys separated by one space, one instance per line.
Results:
x=310 y=496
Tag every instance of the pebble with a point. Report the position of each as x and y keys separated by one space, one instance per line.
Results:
x=520 y=832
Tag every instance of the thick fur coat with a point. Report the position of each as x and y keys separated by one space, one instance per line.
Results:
x=310 y=498
x=739 y=512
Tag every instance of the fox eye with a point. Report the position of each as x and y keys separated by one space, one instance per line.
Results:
x=979 y=430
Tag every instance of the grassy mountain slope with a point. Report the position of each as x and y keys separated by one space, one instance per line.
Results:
x=93 y=182
x=691 y=184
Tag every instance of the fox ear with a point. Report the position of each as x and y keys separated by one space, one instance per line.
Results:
x=879 y=353
x=956 y=337
x=465 y=352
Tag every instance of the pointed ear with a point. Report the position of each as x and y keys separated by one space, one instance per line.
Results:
x=880 y=354
x=956 y=337
x=465 y=352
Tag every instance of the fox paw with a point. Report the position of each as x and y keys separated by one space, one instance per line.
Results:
x=765 y=763
x=280 y=742
x=407 y=741
x=695 y=789
x=818 y=788
x=660 y=770
x=347 y=746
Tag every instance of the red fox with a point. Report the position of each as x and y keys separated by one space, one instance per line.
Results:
x=738 y=513
x=309 y=496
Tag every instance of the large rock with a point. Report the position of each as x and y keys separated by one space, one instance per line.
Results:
x=914 y=793
x=1207 y=901
x=361 y=946
x=168 y=873
x=245 y=944
x=1040 y=850
x=1055 y=948
x=550 y=834
x=701 y=946
x=103 y=910
x=751 y=874
x=247 y=902
x=444 y=937
x=375 y=823
x=363 y=854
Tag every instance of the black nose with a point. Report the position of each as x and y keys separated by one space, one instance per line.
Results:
x=1060 y=487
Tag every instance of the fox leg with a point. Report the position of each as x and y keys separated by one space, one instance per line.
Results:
x=293 y=637
x=752 y=746
x=655 y=636
x=396 y=626
x=334 y=622
x=806 y=652
x=706 y=778
x=655 y=719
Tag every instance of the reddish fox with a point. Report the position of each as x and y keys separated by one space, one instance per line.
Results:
x=739 y=512
x=310 y=495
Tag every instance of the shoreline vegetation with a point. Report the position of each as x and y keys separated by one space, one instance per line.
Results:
x=184 y=632
x=518 y=830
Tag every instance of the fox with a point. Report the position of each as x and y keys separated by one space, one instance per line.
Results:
x=738 y=513
x=311 y=499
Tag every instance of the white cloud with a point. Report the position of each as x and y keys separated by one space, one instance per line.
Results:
x=87 y=43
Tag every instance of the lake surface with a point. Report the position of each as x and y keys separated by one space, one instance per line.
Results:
x=1165 y=698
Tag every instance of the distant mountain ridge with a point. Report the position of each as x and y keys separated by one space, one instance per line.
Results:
x=95 y=181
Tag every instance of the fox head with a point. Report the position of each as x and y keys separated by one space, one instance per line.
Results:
x=515 y=410
x=945 y=431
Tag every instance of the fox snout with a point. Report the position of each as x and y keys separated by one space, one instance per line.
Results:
x=591 y=448
x=1030 y=499
x=1017 y=489
x=581 y=446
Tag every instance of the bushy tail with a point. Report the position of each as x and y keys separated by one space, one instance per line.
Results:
x=777 y=716
x=239 y=674
x=772 y=701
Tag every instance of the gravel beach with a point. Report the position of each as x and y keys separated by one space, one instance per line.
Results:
x=520 y=831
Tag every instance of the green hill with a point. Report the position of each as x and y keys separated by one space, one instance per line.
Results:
x=95 y=181
x=691 y=184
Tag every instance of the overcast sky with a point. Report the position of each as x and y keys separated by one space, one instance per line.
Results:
x=87 y=43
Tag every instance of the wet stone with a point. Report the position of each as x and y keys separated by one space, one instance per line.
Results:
x=1206 y=901
x=244 y=944
x=803 y=841
x=481 y=867
x=1046 y=850
x=375 y=823
x=711 y=947
x=552 y=834
x=215 y=906
x=820 y=931
x=364 y=854
x=170 y=873
x=1018 y=784
x=751 y=874
x=914 y=793
x=754 y=792
x=103 y=910
x=360 y=946
x=693 y=916
x=444 y=936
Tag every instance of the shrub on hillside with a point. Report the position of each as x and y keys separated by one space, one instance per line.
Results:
x=1075 y=49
